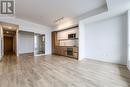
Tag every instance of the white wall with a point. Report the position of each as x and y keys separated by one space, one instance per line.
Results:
x=94 y=12
x=26 y=42
x=106 y=40
x=32 y=27
x=82 y=43
x=128 y=60
x=1 y=34
x=64 y=35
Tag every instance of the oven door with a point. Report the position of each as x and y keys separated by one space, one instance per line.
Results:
x=70 y=51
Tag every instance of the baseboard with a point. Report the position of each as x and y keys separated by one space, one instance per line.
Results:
x=26 y=54
x=109 y=60
x=39 y=55
x=31 y=53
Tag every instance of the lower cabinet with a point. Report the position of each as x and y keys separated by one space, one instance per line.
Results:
x=75 y=55
x=62 y=50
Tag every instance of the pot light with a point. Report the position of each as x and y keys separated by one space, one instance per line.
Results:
x=7 y=32
x=10 y=27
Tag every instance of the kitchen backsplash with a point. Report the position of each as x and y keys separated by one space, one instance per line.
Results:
x=69 y=43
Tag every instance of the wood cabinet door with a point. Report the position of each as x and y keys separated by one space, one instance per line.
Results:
x=75 y=55
x=75 y=49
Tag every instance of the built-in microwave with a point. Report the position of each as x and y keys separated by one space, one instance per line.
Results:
x=72 y=36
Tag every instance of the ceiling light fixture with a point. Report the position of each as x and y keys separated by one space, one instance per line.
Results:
x=59 y=20
x=7 y=32
x=10 y=27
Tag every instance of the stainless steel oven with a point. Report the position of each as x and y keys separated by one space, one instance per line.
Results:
x=70 y=51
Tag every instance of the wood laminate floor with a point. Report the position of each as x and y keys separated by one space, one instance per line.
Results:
x=58 y=71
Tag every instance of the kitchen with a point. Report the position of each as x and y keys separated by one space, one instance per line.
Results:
x=65 y=42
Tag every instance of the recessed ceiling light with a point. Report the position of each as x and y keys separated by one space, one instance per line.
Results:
x=10 y=27
x=7 y=32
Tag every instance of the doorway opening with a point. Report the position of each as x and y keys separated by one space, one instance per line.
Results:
x=9 y=39
x=39 y=44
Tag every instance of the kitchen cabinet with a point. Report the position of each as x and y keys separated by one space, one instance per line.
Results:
x=62 y=50
x=54 y=42
x=69 y=51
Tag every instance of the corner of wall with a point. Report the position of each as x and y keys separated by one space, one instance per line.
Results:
x=128 y=26
x=128 y=65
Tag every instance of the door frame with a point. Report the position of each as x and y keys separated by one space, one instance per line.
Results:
x=2 y=24
x=1 y=42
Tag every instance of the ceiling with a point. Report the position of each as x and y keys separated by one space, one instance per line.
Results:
x=9 y=26
x=47 y=11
